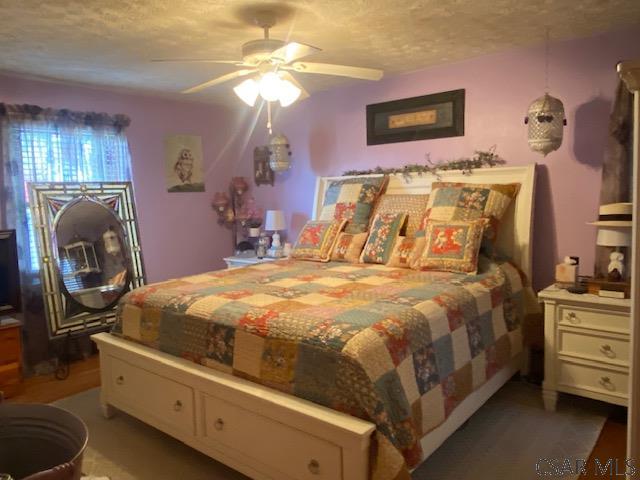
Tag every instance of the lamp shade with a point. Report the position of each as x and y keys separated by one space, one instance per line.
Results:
x=614 y=237
x=274 y=220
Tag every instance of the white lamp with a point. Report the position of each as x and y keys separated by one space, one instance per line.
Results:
x=248 y=91
x=274 y=221
x=615 y=237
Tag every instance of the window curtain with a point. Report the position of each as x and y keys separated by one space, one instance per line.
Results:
x=46 y=145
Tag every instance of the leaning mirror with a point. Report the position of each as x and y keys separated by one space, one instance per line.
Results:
x=89 y=251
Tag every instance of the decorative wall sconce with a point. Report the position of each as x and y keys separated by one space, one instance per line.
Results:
x=279 y=153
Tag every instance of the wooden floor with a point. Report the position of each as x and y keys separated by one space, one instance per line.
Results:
x=86 y=374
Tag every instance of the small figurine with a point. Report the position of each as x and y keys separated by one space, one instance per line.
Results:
x=616 y=267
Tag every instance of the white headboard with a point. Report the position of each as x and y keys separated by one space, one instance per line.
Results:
x=516 y=230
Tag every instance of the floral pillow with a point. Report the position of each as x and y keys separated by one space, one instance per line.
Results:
x=352 y=199
x=316 y=240
x=414 y=205
x=451 y=246
x=382 y=237
x=470 y=201
x=349 y=247
x=402 y=252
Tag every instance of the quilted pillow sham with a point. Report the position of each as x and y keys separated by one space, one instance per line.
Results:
x=316 y=240
x=470 y=201
x=414 y=205
x=382 y=237
x=352 y=199
x=402 y=252
x=451 y=246
x=349 y=247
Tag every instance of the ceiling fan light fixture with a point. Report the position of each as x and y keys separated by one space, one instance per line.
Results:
x=270 y=86
x=289 y=93
x=248 y=91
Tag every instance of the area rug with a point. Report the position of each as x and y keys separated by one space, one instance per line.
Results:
x=503 y=440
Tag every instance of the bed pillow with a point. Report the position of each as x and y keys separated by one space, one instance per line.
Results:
x=349 y=247
x=470 y=201
x=352 y=199
x=316 y=240
x=402 y=252
x=451 y=246
x=413 y=205
x=382 y=237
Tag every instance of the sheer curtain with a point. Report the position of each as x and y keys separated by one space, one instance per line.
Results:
x=41 y=145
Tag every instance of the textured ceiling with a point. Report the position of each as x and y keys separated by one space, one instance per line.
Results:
x=111 y=42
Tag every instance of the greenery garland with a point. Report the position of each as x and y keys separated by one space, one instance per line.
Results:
x=479 y=159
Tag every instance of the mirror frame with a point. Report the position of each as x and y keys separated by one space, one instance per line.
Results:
x=49 y=201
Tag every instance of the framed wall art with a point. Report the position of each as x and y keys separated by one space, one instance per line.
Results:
x=262 y=172
x=183 y=163
x=437 y=115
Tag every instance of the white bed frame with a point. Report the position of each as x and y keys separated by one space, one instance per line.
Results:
x=266 y=434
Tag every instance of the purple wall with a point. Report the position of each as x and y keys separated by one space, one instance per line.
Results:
x=328 y=136
x=179 y=233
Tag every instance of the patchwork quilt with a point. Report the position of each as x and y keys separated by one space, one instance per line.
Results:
x=398 y=347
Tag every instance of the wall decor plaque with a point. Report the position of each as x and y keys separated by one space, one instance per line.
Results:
x=437 y=115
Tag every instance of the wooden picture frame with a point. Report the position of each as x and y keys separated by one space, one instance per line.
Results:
x=437 y=115
x=262 y=172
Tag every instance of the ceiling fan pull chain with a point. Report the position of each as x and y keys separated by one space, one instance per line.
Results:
x=269 y=118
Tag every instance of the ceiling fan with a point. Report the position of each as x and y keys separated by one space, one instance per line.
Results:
x=269 y=62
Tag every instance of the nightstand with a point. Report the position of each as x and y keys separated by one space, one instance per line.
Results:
x=240 y=261
x=10 y=356
x=586 y=349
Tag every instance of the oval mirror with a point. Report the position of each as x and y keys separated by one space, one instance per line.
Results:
x=92 y=253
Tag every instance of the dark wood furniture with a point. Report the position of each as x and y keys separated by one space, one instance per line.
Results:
x=10 y=357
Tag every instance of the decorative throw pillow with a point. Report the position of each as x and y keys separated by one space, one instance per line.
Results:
x=452 y=246
x=470 y=201
x=382 y=237
x=316 y=240
x=352 y=199
x=349 y=247
x=402 y=252
x=413 y=205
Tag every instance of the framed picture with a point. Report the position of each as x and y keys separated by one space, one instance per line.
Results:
x=437 y=115
x=262 y=173
x=183 y=163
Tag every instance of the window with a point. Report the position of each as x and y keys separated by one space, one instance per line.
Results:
x=50 y=152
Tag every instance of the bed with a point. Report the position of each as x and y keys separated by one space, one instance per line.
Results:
x=244 y=364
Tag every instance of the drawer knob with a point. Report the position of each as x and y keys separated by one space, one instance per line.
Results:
x=177 y=406
x=218 y=424
x=572 y=317
x=606 y=383
x=607 y=351
x=120 y=380
x=314 y=467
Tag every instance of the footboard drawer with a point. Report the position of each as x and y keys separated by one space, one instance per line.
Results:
x=295 y=453
x=168 y=402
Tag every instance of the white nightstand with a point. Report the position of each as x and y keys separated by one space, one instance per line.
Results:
x=586 y=349
x=238 y=261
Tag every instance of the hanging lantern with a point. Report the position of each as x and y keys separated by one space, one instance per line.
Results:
x=546 y=122
x=279 y=153
x=111 y=241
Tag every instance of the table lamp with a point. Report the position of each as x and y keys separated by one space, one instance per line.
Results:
x=274 y=222
x=614 y=237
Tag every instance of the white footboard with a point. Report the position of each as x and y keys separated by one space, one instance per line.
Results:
x=258 y=431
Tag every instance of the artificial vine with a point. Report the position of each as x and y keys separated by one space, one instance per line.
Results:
x=479 y=159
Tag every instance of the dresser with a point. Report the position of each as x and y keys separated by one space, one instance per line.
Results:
x=10 y=356
x=243 y=261
x=587 y=346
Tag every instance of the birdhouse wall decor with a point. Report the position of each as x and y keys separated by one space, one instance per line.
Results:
x=279 y=153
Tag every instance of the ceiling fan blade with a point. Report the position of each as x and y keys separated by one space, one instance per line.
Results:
x=339 y=70
x=195 y=60
x=293 y=51
x=287 y=76
x=218 y=80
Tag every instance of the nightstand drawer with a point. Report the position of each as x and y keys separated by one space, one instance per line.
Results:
x=605 y=320
x=594 y=347
x=594 y=379
x=9 y=345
